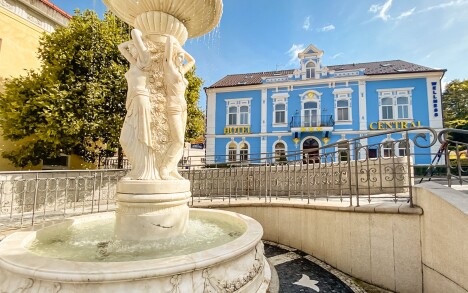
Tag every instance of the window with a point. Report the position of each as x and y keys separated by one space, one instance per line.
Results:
x=310 y=70
x=244 y=115
x=232 y=152
x=342 y=108
x=310 y=114
x=280 y=109
x=343 y=152
x=238 y=111
x=402 y=107
x=232 y=116
x=402 y=149
x=387 y=149
x=387 y=108
x=280 y=113
x=343 y=105
x=395 y=104
x=280 y=152
x=310 y=109
x=244 y=152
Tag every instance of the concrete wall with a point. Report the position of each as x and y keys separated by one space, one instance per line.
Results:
x=379 y=244
x=444 y=237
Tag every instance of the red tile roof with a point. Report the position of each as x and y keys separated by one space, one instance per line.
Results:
x=370 y=68
x=56 y=8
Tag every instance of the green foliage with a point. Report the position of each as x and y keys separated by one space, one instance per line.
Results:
x=75 y=103
x=76 y=98
x=455 y=104
x=195 y=117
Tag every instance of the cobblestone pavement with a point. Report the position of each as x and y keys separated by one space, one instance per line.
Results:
x=299 y=272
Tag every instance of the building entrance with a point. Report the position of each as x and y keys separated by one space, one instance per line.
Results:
x=310 y=148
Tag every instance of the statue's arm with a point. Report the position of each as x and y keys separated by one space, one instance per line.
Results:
x=140 y=46
x=123 y=48
x=190 y=63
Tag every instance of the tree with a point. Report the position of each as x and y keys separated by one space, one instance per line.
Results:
x=455 y=104
x=75 y=102
x=195 y=117
x=76 y=99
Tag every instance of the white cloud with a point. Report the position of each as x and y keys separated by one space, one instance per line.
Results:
x=381 y=10
x=406 y=13
x=306 y=24
x=337 y=55
x=327 y=28
x=293 y=51
x=445 y=5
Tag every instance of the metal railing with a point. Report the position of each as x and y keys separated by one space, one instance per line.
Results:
x=34 y=196
x=311 y=121
x=349 y=171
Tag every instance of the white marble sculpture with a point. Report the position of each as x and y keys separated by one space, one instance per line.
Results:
x=176 y=107
x=153 y=94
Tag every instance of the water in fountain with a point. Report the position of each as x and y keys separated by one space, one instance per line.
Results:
x=94 y=241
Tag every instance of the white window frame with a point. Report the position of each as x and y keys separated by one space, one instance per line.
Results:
x=394 y=94
x=344 y=94
x=280 y=98
x=273 y=149
x=311 y=96
x=310 y=69
x=239 y=151
x=227 y=151
x=238 y=103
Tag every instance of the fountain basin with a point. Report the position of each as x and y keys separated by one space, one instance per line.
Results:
x=236 y=266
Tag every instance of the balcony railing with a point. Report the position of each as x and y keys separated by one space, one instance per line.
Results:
x=312 y=121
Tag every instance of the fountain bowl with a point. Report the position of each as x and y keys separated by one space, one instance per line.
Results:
x=238 y=265
x=198 y=17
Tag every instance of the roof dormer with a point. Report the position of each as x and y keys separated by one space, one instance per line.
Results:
x=311 y=62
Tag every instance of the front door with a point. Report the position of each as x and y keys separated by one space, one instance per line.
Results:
x=310 y=149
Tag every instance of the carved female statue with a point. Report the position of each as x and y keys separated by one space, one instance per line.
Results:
x=176 y=106
x=135 y=137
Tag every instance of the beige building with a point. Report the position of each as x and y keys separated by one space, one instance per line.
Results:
x=22 y=22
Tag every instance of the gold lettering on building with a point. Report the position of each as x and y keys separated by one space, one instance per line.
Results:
x=237 y=130
x=384 y=125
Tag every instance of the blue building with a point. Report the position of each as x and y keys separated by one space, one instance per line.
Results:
x=315 y=105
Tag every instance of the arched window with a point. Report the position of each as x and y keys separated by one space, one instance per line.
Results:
x=232 y=152
x=280 y=152
x=280 y=113
x=310 y=70
x=387 y=108
x=243 y=152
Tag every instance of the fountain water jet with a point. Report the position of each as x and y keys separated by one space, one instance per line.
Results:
x=152 y=199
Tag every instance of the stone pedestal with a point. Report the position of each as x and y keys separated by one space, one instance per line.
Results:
x=151 y=210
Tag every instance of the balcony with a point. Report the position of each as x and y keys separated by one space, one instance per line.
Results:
x=311 y=123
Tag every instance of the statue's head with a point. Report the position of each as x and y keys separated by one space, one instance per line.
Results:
x=179 y=55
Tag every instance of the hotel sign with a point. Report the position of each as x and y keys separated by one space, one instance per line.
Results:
x=383 y=125
x=237 y=130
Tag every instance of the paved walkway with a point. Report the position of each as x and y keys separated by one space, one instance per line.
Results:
x=298 y=272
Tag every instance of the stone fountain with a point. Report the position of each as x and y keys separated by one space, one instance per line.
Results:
x=151 y=244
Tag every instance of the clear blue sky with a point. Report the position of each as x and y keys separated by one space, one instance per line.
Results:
x=263 y=35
